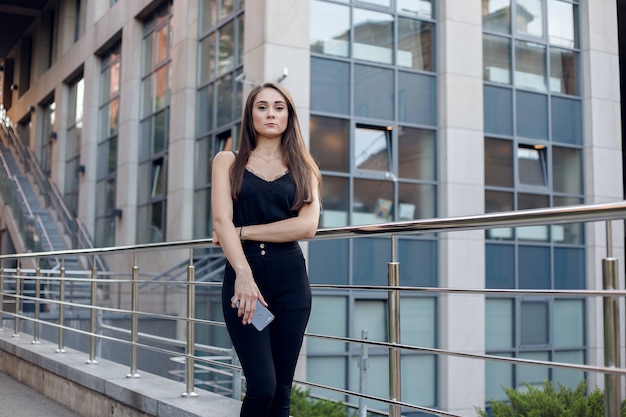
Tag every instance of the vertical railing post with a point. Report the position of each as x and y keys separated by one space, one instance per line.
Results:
x=363 y=367
x=61 y=345
x=37 y=294
x=612 y=382
x=134 y=327
x=93 y=315
x=191 y=338
x=18 y=292
x=393 y=304
x=1 y=296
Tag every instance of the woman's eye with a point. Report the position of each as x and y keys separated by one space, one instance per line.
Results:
x=261 y=108
x=279 y=108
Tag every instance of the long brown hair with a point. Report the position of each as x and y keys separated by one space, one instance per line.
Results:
x=295 y=155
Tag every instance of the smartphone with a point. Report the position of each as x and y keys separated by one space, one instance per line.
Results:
x=262 y=316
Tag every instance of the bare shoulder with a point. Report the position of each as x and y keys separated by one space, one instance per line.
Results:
x=225 y=158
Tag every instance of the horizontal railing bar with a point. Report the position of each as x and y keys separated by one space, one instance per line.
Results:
x=519 y=218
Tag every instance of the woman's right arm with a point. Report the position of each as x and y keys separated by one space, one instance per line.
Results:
x=246 y=290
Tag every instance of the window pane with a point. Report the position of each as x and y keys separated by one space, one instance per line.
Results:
x=499 y=163
x=534 y=268
x=535 y=322
x=329 y=371
x=385 y=3
x=500 y=266
x=157 y=223
x=569 y=323
x=569 y=377
x=499 y=324
x=332 y=267
x=335 y=196
x=532 y=115
x=569 y=268
x=531 y=201
x=329 y=316
x=419 y=380
x=206 y=60
x=498 y=375
x=373 y=96
x=371 y=148
x=416 y=201
x=418 y=8
x=416 y=99
x=419 y=262
x=567 y=170
x=416 y=154
x=497 y=59
x=207 y=15
x=226 y=49
x=562 y=23
x=158 y=179
x=373 y=36
x=369 y=262
x=203 y=161
x=416 y=42
x=497 y=15
x=377 y=384
x=530 y=65
x=225 y=100
x=204 y=109
x=417 y=321
x=143 y=186
x=498 y=115
x=329 y=140
x=162 y=44
x=564 y=72
x=146 y=62
x=530 y=17
x=532 y=374
x=202 y=213
x=227 y=7
x=146 y=97
x=332 y=86
x=532 y=165
x=566 y=121
x=370 y=315
x=571 y=232
x=372 y=202
x=161 y=88
x=160 y=132
x=330 y=29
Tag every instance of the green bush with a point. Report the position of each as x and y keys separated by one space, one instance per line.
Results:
x=304 y=406
x=548 y=402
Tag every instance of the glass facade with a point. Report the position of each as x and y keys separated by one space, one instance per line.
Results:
x=219 y=97
x=533 y=159
x=108 y=143
x=154 y=130
x=73 y=168
x=373 y=131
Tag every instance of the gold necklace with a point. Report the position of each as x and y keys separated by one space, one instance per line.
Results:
x=267 y=161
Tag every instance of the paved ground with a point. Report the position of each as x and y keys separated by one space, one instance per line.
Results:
x=19 y=400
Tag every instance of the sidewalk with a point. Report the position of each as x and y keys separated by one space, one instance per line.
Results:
x=19 y=400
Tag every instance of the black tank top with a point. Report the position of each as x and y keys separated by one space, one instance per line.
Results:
x=262 y=201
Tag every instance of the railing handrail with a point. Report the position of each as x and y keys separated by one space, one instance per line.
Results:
x=518 y=218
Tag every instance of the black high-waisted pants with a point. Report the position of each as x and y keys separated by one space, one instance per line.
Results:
x=269 y=357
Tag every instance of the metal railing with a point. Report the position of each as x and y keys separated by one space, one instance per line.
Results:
x=223 y=362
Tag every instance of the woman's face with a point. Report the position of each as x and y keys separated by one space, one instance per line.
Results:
x=269 y=114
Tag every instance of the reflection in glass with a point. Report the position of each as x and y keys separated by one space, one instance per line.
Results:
x=330 y=29
x=416 y=41
x=499 y=163
x=532 y=233
x=226 y=48
x=332 y=86
x=564 y=71
x=417 y=94
x=161 y=88
x=373 y=95
x=497 y=59
x=335 y=195
x=562 y=20
x=532 y=165
x=530 y=17
x=570 y=232
x=225 y=100
x=530 y=65
x=373 y=200
x=534 y=323
x=497 y=15
x=416 y=153
x=372 y=148
x=162 y=46
x=531 y=112
x=207 y=15
x=534 y=267
x=206 y=60
x=373 y=36
x=498 y=201
x=498 y=113
x=416 y=201
x=421 y=8
x=329 y=140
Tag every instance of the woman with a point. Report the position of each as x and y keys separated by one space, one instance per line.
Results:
x=266 y=197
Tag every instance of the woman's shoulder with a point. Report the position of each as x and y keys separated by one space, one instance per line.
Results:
x=225 y=157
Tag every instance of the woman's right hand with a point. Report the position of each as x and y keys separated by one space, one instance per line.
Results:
x=246 y=293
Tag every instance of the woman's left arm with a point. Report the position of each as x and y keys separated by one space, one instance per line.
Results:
x=303 y=226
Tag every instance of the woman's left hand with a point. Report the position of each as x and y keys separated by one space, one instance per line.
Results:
x=216 y=240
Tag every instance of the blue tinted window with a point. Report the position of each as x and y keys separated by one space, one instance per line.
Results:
x=331 y=262
x=532 y=115
x=418 y=262
x=416 y=99
x=566 y=121
x=498 y=111
x=569 y=269
x=374 y=92
x=332 y=87
x=370 y=260
x=500 y=266
x=534 y=267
